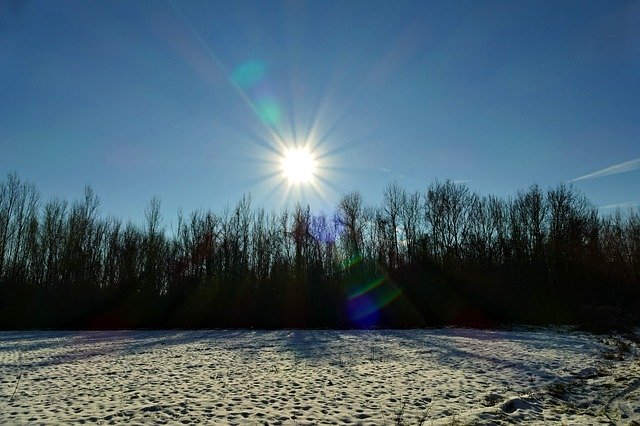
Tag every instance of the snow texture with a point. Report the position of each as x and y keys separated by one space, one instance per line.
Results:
x=442 y=376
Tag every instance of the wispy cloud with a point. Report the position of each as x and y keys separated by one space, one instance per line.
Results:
x=620 y=205
x=611 y=170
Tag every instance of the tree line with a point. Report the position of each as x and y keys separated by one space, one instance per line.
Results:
x=446 y=255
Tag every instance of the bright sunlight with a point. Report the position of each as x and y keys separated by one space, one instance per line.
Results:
x=298 y=165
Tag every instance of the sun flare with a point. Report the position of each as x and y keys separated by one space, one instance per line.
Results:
x=298 y=165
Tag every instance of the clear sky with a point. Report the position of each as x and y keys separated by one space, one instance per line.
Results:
x=195 y=101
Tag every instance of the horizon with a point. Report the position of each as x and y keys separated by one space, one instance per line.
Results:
x=170 y=220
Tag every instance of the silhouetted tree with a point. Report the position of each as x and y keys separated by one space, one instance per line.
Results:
x=451 y=255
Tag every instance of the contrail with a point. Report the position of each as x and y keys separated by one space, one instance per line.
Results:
x=629 y=204
x=611 y=170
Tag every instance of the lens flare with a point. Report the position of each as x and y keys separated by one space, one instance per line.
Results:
x=366 y=288
x=268 y=111
x=351 y=261
x=247 y=74
x=363 y=311
x=366 y=301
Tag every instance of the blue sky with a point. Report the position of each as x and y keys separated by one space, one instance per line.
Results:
x=192 y=101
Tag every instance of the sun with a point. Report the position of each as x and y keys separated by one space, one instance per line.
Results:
x=298 y=165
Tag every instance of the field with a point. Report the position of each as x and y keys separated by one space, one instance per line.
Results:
x=436 y=376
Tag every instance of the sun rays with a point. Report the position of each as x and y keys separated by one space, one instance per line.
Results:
x=294 y=144
x=298 y=166
x=293 y=172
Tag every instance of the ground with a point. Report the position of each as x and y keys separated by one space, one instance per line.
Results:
x=439 y=376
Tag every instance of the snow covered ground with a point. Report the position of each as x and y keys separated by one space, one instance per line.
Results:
x=442 y=376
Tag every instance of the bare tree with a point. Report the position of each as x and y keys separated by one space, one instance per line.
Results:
x=349 y=216
x=447 y=207
x=393 y=201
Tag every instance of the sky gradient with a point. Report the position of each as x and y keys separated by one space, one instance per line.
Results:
x=192 y=101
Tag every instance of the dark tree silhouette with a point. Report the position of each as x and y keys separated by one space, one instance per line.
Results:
x=446 y=256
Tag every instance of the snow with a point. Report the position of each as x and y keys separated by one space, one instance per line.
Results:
x=440 y=376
